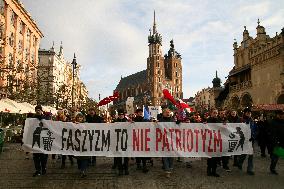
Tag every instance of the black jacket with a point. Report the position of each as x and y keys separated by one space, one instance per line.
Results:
x=235 y=119
x=262 y=128
x=165 y=119
x=213 y=120
x=121 y=120
x=139 y=119
x=94 y=119
x=275 y=133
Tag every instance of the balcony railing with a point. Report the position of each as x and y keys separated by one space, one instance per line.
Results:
x=241 y=86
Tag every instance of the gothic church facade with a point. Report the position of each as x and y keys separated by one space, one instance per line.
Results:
x=162 y=72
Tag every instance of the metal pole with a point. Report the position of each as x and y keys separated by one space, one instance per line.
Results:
x=73 y=87
x=99 y=106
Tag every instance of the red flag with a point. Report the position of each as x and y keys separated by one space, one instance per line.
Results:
x=168 y=96
x=109 y=99
x=179 y=104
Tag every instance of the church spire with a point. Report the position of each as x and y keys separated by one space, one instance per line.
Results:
x=52 y=48
x=216 y=81
x=154 y=25
x=154 y=37
x=61 y=50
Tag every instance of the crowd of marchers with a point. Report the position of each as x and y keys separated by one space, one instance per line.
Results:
x=267 y=133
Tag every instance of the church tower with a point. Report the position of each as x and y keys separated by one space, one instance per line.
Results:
x=173 y=69
x=155 y=65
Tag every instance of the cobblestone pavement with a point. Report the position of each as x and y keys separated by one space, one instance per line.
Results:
x=16 y=172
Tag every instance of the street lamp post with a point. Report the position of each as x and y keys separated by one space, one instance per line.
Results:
x=74 y=67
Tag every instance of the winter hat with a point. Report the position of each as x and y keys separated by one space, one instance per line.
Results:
x=77 y=114
x=38 y=107
x=120 y=112
x=139 y=110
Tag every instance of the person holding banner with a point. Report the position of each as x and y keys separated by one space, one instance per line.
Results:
x=167 y=161
x=140 y=118
x=248 y=120
x=92 y=117
x=224 y=159
x=212 y=162
x=118 y=160
x=40 y=159
x=82 y=161
x=62 y=117
x=234 y=118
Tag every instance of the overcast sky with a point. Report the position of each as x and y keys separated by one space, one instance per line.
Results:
x=110 y=36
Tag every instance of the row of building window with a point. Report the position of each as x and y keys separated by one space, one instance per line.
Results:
x=12 y=39
x=131 y=92
x=152 y=50
x=11 y=59
x=21 y=28
x=2 y=7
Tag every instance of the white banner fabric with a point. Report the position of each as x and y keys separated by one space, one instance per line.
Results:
x=143 y=139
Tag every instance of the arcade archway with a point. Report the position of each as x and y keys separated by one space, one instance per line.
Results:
x=235 y=102
x=280 y=99
x=246 y=100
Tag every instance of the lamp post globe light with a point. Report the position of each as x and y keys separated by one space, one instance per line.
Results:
x=74 y=67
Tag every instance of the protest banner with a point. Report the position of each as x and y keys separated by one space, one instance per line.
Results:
x=154 y=111
x=129 y=105
x=143 y=139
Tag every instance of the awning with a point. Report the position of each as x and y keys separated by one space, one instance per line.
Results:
x=268 y=107
x=10 y=106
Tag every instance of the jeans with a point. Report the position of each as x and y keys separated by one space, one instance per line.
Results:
x=236 y=160
x=225 y=161
x=250 y=161
x=122 y=165
x=274 y=159
x=82 y=164
x=139 y=160
x=64 y=159
x=40 y=161
x=93 y=160
x=212 y=165
x=168 y=163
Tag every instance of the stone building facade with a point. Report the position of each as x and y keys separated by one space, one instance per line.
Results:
x=206 y=98
x=20 y=38
x=258 y=73
x=56 y=80
x=162 y=72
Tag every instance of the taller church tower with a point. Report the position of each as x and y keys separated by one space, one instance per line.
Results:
x=155 y=65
